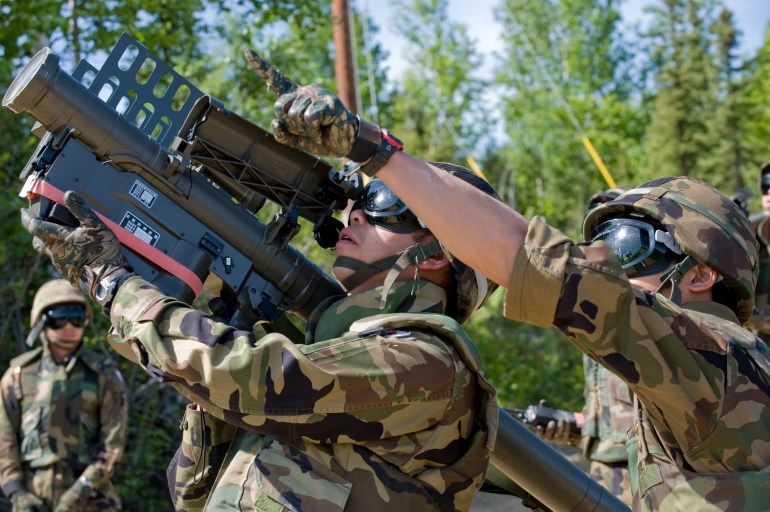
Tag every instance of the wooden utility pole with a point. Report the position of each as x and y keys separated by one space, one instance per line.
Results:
x=343 y=59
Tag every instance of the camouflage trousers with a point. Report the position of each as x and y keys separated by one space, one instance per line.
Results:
x=49 y=483
x=613 y=476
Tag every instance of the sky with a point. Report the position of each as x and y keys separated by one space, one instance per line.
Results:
x=752 y=17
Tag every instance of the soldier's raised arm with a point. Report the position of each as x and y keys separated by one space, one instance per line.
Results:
x=483 y=232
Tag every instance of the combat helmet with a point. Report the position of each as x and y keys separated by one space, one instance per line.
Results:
x=708 y=227
x=57 y=291
x=53 y=293
x=471 y=289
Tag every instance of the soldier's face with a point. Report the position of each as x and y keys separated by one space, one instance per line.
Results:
x=68 y=336
x=368 y=243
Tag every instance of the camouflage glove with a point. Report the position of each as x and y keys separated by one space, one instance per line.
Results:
x=23 y=501
x=75 y=498
x=312 y=119
x=85 y=254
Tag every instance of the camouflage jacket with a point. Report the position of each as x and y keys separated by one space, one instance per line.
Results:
x=71 y=417
x=383 y=412
x=609 y=414
x=703 y=390
x=760 y=318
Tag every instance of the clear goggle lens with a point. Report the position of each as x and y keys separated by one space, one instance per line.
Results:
x=639 y=246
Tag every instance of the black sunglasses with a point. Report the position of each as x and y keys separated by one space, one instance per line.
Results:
x=59 y=317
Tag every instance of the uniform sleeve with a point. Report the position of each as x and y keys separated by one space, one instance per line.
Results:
x=11 y=474
x=113 y=417
x=349 y=388
x=583 y=291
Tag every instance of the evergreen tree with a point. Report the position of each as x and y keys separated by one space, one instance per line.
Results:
x=679 y=139
x=757 y=116
x=729 y=165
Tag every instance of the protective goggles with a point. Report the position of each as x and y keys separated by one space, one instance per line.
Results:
x=764 y=183
x=640 y=247
x=58 y=318
x=383 y=208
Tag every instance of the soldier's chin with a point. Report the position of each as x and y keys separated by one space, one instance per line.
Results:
x=65 y=343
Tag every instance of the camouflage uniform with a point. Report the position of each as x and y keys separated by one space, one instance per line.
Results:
x=760 y=319
x=609 y=415
x=386 y=410
x=59 y=422
x=703 y=432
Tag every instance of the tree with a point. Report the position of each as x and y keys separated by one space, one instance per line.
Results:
x=757 y=114
x=437 y=108
x=730 y=151
x=566 y=73
x=679 y=138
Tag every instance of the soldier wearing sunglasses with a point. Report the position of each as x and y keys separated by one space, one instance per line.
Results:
x=658 y=294
x=64 y=414
x=384 y=407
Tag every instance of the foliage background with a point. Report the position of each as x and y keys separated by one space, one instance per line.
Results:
x=672 y=99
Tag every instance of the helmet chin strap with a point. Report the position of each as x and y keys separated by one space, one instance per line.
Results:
x=362 y=270
x=412 y=256
x=396 y=264
x=673 y=276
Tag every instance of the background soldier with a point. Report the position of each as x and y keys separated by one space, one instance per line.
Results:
x=64 y=413
x=385 y=410
x=760 y=222
x=658 y=295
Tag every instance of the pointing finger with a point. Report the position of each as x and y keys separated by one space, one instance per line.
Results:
x=276 y=81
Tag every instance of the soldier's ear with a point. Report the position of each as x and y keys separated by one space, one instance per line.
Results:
x=701 y=278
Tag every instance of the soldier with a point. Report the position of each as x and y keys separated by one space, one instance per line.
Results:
x=64 y=413
x=760 y=319
x=385 y=409
x=658 y=296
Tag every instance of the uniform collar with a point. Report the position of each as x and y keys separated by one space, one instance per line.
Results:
x=713 y=308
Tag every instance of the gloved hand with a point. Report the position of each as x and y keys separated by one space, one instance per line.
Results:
x=84 y=254
x=24 y=501
x=555 y=431
x=75 y=498
x=554 y=425
x=309 y=118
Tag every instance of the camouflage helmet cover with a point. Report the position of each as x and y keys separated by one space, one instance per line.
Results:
x=57 y=291
x=604 y=196
x=708 y=226
x=473 y=289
